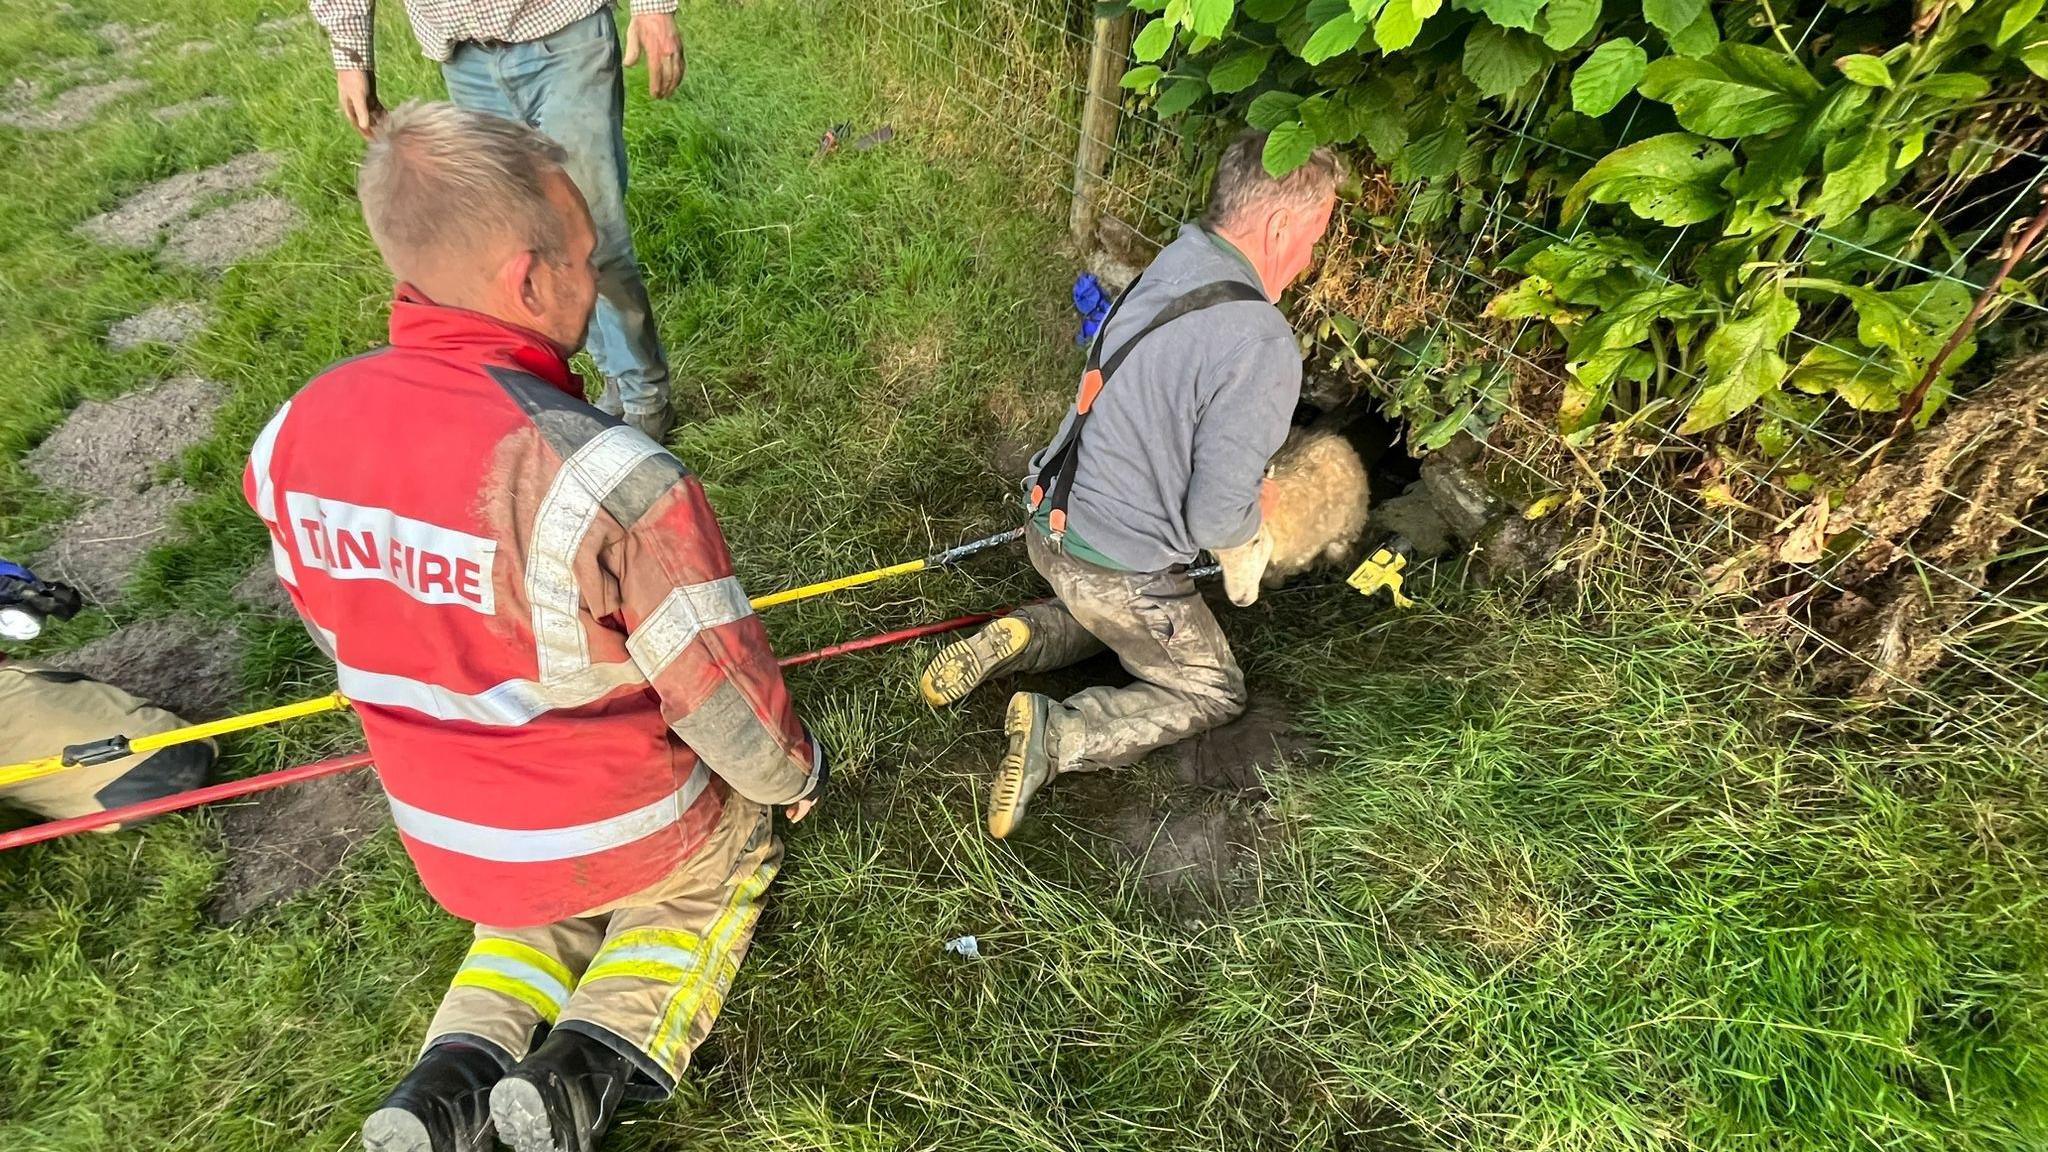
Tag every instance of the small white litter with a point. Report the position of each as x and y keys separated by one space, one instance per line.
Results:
x=966 y=946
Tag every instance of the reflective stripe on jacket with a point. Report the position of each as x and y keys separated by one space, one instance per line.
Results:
x=532 y=607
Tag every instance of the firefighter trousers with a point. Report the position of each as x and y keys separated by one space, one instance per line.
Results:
x=645 y=976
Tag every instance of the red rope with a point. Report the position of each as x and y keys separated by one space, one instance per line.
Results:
x=263 y=782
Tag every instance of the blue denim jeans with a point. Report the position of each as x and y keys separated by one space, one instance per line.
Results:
x=569 y=85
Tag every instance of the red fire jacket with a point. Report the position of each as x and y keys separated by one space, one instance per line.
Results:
x=532 y=608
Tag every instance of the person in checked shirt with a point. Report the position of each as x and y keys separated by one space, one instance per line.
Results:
x=552 y=65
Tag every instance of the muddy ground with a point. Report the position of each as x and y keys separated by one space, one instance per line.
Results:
x=232 y=233
x=113 y=453
x=284 y=841
x=162 y=324
x=180 y=662
x=117 y=447
x=71 y=108
x=144 y=218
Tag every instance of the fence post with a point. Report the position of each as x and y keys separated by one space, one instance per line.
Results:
x=1102 y=103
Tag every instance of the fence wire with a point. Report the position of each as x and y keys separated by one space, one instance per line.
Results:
x=1011 y=75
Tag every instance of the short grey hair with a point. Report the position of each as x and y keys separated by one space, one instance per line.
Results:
x=1242 y=183
x=438 y=180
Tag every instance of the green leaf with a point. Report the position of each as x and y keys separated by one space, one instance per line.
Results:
x=1143 y=76
x=1512 y=13
x=1868 y=379
x=1153 y=40
x=1335 y=38
x=1589 y=386
x=1609 y=74
x=1239 y=70
x=1210 y=17
x=1593 y=269
x=1674 y=179
x=1696 y=39
x=1739 y=90
x=1431 y=206
x=1269 y=110
x=1862 y=171
x=1961 y=87
x=1627 y=323
x=1500 y=60
x=1435 y=153
x=1401 y=21
x=1672 y=16
x=1566 y=22
x=2016 y=17
x=1288 y=147
x=1865 y=69
x=1268 y=11
x=1742 y=363
x=2035 y=57
x=1366 y=9
x=1321 y=12
x=1377 y=112
x=1178 y=97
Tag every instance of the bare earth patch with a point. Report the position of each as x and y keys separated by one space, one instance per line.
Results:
x=128 y=40
x=74 y=107
x=114 y=448
x=142 y=218
x=1231 y=758
x=196 y=47
x=179 y=662
x=175 y=112
x=163 y=324
x=99 y=550
x=262 y=590
x=284 y=841
x=232 y=233
x=1189 y=859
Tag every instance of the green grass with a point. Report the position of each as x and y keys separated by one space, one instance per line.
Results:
x=1550 y=880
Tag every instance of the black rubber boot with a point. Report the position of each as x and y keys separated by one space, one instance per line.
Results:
x=562 y=1097
x=442 y=1105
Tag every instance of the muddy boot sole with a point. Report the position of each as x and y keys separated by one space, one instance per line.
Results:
x=1026 y=766
x=960 y=667
x=397 y=1130
x=521 y=1117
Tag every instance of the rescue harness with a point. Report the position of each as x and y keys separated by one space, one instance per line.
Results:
x=1055 y=480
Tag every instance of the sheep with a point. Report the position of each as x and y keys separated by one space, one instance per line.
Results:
x=1316 y=504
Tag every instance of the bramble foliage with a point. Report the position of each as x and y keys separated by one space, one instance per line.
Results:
x=1720 y=208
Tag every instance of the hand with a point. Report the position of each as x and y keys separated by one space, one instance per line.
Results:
x=656 y=33
x=359 y=100
x=802 y=808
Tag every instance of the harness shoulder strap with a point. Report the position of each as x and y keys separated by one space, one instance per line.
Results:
x=1056 y=478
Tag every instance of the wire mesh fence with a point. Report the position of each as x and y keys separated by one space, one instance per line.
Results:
x=1919 y=620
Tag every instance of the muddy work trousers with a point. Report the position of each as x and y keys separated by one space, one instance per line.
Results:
x=645 y=977
x=43 y=710
x=1160 y=628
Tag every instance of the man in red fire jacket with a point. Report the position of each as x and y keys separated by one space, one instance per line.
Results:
x=573 y=709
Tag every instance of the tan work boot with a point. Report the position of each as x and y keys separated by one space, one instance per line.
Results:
x=1026 y=766
x=960 y=667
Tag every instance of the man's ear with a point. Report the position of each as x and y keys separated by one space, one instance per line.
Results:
x=517 y=284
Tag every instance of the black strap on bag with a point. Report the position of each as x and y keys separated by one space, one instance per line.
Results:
x=1056 y=479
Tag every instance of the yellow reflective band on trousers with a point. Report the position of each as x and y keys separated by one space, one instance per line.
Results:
x=714 y=966
x=520 y=971
x=669 y=955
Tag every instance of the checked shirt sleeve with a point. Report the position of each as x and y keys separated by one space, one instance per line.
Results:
x=349 y=25
x=696 y=639
x=643 y=7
